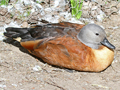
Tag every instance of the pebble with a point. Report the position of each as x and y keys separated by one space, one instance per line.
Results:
x=119 y=12
x=39 y=6
x=114 y=10
x=26 y=2
x=3 y=11
x=13 y=24
x=15 y=85
x=7 y=21
x=1 y=33
x=2 y=18
x=101 y=16
x=2 y=24
x=86 y=5
x=2 y=86
x=94 y=7
x=37 y=68
x=115 y=27
x=118 y=5
x=24 y=24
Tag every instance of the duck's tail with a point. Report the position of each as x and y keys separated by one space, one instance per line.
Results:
x=14 y=33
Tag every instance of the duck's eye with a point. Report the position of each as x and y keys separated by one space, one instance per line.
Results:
x=97 y=34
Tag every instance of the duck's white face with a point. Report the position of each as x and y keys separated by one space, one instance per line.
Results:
x=93 y=36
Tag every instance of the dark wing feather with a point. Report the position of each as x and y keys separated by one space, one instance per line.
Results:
x=44 y=31
x=57 y=29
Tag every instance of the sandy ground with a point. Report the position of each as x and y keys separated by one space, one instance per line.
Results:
x=21 y=71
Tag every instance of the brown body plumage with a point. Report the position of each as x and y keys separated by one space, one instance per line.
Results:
x=60 y=46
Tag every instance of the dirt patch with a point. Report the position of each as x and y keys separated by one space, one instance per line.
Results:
x=18 y=69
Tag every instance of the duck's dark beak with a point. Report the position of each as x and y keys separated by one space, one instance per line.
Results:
x=106 y=43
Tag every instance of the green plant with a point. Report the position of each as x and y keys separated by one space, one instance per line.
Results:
x=28 y=13
x=118 y=0
x=76 y=8
x=4 y=2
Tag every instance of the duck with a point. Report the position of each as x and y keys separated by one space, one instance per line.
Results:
x=67 y=45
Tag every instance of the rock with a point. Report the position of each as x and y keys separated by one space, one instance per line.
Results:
x=15 y=85
x=33 y=19
x=13 y=1
x=24 y=24
x=2 y=86
x=13 y=24
x=107 y=11
x=2 y=18
x=114 y=10
x=119 y=12
x=2 y=23
x=9 y=15
x=101 y=16
x=3 y=11
x=113 y=3
x=19 y=21
x=94 y=7
x=27 y=2
x=34 y=13
x=85 y=14
x=7 y=21
x=118 y=5
x=37 y=68
x=94 y=13
x=86 y=5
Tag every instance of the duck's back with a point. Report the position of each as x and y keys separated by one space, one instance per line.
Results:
x=55 y=30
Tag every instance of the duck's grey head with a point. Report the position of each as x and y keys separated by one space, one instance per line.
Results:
x=94 y=36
